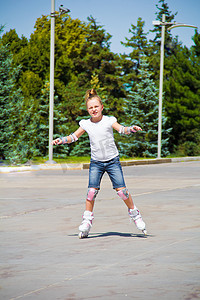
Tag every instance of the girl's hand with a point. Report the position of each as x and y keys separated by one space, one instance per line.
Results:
x=135 y=128
x=58 y=141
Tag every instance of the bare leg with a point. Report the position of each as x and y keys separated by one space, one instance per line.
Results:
x=129 y=202
x=89 y=205
x=133 y=211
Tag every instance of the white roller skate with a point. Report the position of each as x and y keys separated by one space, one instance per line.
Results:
x=137 y=218
x=86 y=224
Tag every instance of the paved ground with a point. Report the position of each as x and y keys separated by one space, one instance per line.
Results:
x=42 y=257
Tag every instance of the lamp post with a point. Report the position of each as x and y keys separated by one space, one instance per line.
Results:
x=173 y=25
x=62 y=10
x=51 y=99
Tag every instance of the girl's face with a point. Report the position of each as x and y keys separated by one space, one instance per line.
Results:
x=94 y=108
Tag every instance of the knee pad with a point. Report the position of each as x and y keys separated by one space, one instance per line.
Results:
x=92 y=193
x=124 y=194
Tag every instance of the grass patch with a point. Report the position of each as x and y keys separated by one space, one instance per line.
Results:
x=77 y=159
x=69 y=159
x=135 y=158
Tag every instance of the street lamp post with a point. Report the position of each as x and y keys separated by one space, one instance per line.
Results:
x=62 y=10
x=173 y=25
x=51 y=99
x=161 y=86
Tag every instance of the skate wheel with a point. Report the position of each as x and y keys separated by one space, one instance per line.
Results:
x=82 y=235
x=144 y=231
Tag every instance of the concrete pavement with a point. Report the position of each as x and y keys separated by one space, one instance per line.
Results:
x=42 y=257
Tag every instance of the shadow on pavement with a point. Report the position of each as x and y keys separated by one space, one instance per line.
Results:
x=105 y=234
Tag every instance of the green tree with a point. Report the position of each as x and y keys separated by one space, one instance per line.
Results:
x=170 y=42
x=181 y=96
x=130 y=63
x=34 y=55
x=182 y=102
x=14 y=44
x=97 y=58
x=142 y=110
x=139 y=46
x=96 y=66
x=31 y=85
x=17 y=128
x=23 y=126
x=7 y=95
x=181 y=85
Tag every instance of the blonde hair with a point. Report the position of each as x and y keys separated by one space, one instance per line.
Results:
x=90 y=94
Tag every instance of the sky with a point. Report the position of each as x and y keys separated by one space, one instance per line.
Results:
x=115 y=15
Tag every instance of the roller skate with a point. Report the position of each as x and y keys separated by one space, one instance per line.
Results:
x=86 y=224
x=137 y=218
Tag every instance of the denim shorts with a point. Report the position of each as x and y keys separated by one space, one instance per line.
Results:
x=112 y=167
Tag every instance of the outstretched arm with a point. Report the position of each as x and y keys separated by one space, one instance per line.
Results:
x=70 y=138
x=125 y=130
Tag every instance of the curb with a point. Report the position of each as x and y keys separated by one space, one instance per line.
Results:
x=83 y=166
x=139 y=162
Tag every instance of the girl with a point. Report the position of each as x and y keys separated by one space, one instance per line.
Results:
x=104 y=158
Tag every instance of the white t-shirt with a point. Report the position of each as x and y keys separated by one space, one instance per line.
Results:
x=101 y=137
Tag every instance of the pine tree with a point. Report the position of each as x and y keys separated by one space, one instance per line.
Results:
x=17 y=127
x=130 y=63
x=163 y=8
x=142 y=110
x=23 y=124
x=139 y=46
x=9 y=99
x=170 y=42
x=182 y=96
